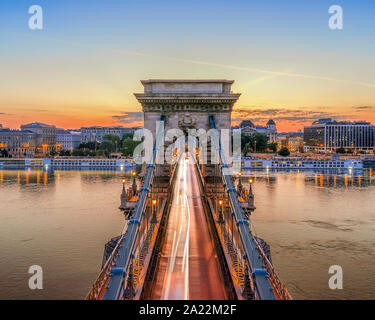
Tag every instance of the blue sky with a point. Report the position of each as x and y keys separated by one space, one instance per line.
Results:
x=91 y=55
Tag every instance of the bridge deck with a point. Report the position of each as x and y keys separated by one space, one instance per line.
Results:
x=188 y=267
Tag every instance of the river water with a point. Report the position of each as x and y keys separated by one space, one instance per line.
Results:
x=62 y=220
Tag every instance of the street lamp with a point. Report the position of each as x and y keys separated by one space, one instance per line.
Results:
x=153 y=209
x=221 y=219
x=123 y=180
x=251 y=180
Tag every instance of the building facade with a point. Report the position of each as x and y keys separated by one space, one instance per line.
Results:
x=96 y=133
x=18 y=143
x=247 y=127
x=67 y=140
x=45 y=135
x=326 y=135
x=291 y=140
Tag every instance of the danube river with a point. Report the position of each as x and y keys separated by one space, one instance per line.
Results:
x=62 y=220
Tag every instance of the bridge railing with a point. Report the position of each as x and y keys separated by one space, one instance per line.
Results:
x=279 y=287
x=121 y=266
x=266 y=283
x=97 y=290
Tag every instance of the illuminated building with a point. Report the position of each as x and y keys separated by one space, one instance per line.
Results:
x=247 y=128
x=327 y=135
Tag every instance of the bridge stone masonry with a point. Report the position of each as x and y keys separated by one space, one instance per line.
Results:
x=187 y=104
x=187 y=233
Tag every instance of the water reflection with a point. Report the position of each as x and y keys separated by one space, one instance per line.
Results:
x=47 y=176
x=61 y=220
x=326 y=178
x=315 y=219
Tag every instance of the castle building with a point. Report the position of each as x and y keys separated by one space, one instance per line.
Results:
x=247 y=127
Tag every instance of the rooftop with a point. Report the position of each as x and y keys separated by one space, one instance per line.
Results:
x=246 y=123
x=36 y=124
x=187 y=81
x=329 y=121
x=187 y=86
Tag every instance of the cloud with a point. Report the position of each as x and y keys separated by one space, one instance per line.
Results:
x=361 y=108
x=258 y=80
x=282 y=114
x=276 y=73
x=129 y=117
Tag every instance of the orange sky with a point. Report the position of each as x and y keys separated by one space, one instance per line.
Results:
x=97 y=88
x=287 y=119
x=84 y=66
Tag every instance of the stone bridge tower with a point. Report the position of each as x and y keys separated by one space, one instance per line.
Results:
x=187 y=103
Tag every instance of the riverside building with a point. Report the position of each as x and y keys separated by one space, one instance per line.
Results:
x=96 y=133
x=326 y=135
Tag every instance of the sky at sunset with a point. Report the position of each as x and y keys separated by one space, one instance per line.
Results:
x=84 y=66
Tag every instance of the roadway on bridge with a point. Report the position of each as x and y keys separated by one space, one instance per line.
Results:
x=188 y=267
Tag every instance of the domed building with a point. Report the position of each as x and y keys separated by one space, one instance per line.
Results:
x=271 y=124
x=248 y=127
x=271 y=130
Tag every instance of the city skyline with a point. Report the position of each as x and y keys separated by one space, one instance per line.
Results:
x=235 y=124
x=61 y=75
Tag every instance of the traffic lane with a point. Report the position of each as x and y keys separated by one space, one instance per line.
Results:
x=188 y=267
x=205 y=278
x=172 y=279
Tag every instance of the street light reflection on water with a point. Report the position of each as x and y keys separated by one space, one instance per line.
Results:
x=313 y=220
x=61 y=221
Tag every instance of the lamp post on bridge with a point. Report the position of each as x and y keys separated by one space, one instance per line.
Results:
x=221 y=218
x=123 y=195
x=123 y=180
x=153 y=209
x=134 y=185
x=250 y=197
x=251 y=180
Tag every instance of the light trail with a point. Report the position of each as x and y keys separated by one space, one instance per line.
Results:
x=187 y=267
